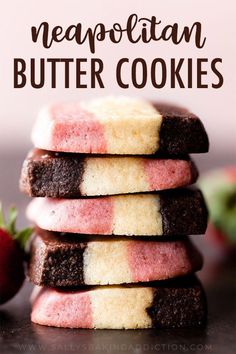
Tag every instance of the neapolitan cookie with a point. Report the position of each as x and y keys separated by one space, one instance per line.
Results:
x=168 y=304
x=119 y=125
x=175 y=212
x=60 y=175
x=62 y=260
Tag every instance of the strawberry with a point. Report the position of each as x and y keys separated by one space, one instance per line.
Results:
x=12 y=244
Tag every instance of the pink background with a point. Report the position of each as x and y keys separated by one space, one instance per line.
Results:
x=215 y=107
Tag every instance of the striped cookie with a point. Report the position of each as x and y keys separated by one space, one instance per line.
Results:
x=119 y=125
x=168 y=304
x=60 y=260
x=176 y=212
x=58 y=175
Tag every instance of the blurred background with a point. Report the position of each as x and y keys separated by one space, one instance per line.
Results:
x=216 y=107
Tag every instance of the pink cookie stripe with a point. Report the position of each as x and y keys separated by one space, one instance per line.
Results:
x=90 y=216
x=77 y=130
x=161 y=260
x=63 y=309
x=171 y=173
x=68 y=127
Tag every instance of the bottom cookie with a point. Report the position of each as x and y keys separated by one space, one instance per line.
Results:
x=165 y=304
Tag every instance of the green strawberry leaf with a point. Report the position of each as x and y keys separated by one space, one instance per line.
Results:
x=21 y=237
x=2 y=220
x=11 y=225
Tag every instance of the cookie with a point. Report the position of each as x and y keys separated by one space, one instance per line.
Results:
x=119 y=125
x=175 y=212
x=61 y=260
x=59 y=175
x=168 y=304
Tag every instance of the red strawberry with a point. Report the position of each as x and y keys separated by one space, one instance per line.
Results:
x=12 y=245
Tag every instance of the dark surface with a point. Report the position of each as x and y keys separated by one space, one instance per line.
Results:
x=18 y=335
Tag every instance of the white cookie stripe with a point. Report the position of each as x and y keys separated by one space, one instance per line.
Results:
x=113 y=308
x=114 y=175
x=107 y=261
x=130 y=124
x=129 y=215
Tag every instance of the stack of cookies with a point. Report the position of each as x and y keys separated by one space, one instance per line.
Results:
x=111 y=214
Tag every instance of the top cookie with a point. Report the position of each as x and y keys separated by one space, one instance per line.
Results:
x=119 y=125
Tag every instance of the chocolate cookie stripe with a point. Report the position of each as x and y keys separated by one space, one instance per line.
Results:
x=183 y=212
x=181 y=132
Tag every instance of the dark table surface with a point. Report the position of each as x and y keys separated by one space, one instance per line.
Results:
x=19 y=335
